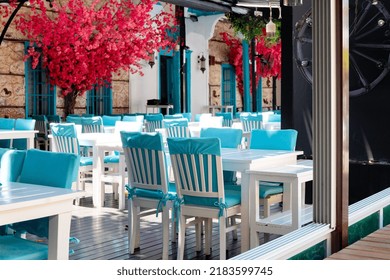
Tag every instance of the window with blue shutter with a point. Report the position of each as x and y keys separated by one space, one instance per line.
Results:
x=228 y=84
x=40 y=95
x=99 y=101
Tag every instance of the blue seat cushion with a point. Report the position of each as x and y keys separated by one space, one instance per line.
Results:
x=155 y=194
x=232 y=198
x=84 y=161
x=266 y=188
x=15 y=248
x=111 y=159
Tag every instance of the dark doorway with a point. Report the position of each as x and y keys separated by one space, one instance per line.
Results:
x=166 y=81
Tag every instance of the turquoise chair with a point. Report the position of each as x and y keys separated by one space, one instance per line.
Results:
x=22 y=124
x=251 y=122
x=188 y=116
x=65 y=141
x=284 y=139
x=135 y=118
x=6 y=124
x=197 y=167
x=148 y=184
x=176 y=127
x=76 y=119
x=92 y=125
x=230 y=138
x=55 y=170
x=42 y=137
x=174 y=116
x=110 y=120
x=53 y=118
x=274 y=118
x=227 y=118
x=87 y=115
x=153 y=121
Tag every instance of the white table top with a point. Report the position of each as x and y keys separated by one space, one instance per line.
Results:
x=16 y=134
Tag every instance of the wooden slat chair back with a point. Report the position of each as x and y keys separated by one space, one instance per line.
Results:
x=92 y=125
x=148 y=184
x=197 y=167
x=251 y=122
x=176 y=127
x=227 y=118
x=153 y=122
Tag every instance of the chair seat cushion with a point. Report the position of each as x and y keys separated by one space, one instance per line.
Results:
x=266 y=188
x=84 y=161
x=111 y=159
x=232 y=198
x=155 y=194
x=15 y=248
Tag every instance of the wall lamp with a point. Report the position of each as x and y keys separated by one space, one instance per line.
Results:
x=202 y=62
x=151 y=61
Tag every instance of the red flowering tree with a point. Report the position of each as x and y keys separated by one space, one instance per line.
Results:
x=268 y=59
x=82 y=45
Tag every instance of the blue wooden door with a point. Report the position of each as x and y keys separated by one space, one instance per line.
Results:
x=228 y=86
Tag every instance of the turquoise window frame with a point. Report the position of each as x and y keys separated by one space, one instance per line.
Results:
x=99 y=101
x=40 y=96
x=228 y=85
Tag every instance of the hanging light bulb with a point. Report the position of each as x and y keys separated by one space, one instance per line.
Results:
x=270 y=27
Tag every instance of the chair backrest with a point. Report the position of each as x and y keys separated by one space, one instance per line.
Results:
x=53 y=118
x=55 y=170
x=92 y=125
x=65 y=138
x=22 y=124
x=227 y=118
x=229 y=137
x=197 y=168
x=145 y=160
x=11 y=164
x=73 y=119
x=252 y=121
x=153 y=121
x=127 y=126
x=135 y=118
x=188 y=116
x=87 y=115
x=174 y=116
x=274 y=118
x=284 y=139
x=7 y=124
x=41 y=124
x=110 y=120
x=176 y=127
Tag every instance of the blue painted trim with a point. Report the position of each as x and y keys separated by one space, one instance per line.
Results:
x=176 y=83
x=232 y=85
x=199 y=13
x=246 y=77
x=26 y=75
x=188 y=81
x=259 y=95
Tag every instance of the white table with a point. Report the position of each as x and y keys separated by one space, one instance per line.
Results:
x=21 y=202
x=100 y=143
x=243 y=160
x=19 y=134
x=156 y=108
x=295 y=212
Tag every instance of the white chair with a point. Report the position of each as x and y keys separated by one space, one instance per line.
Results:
x=148 y=187
x=197 y=166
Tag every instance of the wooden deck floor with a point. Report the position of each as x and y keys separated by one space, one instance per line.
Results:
x=375 y=246
x=103 y=236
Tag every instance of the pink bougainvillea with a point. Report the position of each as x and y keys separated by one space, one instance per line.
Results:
x=83 y=45
x=268 y=59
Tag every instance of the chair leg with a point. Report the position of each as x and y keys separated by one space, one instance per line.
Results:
x=165 y=225
x=208 y=235
x=266 y=208
x=174 y=227
x=198 y=235
x=132 y=231
x=181 y=240
x=137 y=227
x=222 y=238
x=234 y=232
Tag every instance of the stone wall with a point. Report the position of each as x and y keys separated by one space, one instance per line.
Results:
x=12 y=79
